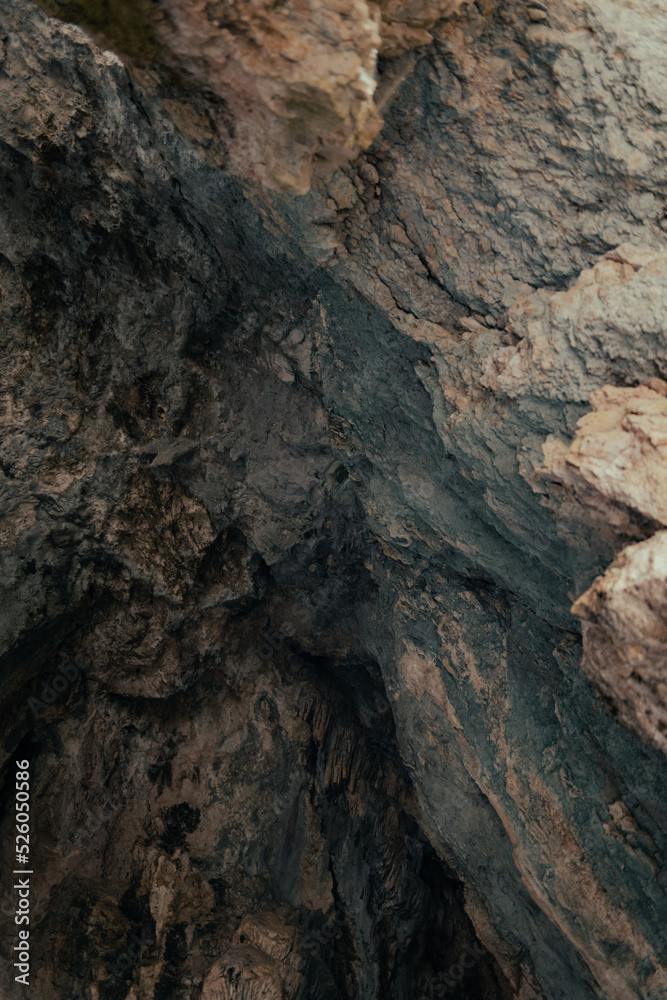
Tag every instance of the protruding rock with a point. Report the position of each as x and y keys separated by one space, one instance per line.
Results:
x=616 y=466
x=569 y=343
x=269 y=88
x=624 y=618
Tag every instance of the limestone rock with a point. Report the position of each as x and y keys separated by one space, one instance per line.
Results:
x=611 y=319
x=616 y=466
x=281 y=86
x=625 y=637
x=405 y=25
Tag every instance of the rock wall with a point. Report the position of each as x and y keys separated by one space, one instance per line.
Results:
x=306 y=487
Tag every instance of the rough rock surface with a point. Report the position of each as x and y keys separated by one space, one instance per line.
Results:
x=281 y=86
x=282 y=475
x=616 y=464
x=625 y=637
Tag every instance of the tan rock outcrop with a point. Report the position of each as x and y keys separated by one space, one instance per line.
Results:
x=615 y=469
x=406 y=25
x=613 y=474
x=568 y=341
x=624 y=618
x=278 y=87
x=299 y=82
x=616 y=465
x=261 y=964
x=245 y=973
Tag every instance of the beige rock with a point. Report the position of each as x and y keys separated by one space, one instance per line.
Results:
x=245 y=973
x=616 y=470
x=267 y=932
x=405 y=25
x=286 y=84
x=177 y=893
x=259 y=965
x=569 y=342
x=618 y=458
x=624 y=618
x=299 y=83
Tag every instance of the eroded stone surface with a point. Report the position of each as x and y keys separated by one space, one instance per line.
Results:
x=616 y=465
x=278 y=86
x=265 y=469
x=625 y=637
x=611 y=319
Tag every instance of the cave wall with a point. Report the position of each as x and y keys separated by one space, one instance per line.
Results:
x=274 y=478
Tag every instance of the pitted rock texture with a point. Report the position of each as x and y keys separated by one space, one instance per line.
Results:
x=625 y=637
x=615 y=468
x=274 y=473
x=611 y=318
x=616 y=465
x=281 y=86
